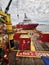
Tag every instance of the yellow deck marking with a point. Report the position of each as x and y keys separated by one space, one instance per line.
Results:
x=32 y=46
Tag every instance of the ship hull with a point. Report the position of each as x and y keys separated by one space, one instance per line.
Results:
x=27 y=26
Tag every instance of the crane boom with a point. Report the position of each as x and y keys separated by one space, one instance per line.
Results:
x=7 y=8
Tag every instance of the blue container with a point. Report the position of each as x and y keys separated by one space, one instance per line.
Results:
x=45 y=59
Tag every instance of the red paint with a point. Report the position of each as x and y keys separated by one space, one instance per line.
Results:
x=16 y=36
x=24 y=42
x=27 y=26
x=44 y=37
x=31 y=54
x=24 y=45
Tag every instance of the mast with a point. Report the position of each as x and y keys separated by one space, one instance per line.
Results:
x=17 y=8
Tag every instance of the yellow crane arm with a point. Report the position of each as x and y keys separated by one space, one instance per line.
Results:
x=7 y=17
x=8 y=23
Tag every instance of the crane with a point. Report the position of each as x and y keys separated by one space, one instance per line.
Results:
x=6 y=19
x=7 y=8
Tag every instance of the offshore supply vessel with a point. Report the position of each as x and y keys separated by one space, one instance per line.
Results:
x=27 y=36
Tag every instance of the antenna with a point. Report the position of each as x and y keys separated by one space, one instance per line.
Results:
x=17 y=7
x=25 y=15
